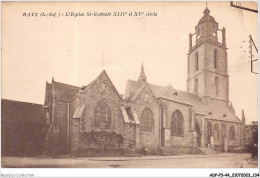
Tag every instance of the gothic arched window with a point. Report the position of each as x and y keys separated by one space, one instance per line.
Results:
x=102 y=115
x=232 y=133
x=217 y=85
x=215 y=58
x=147 y=120
x=196 y=85
x=196 y=61
x=216 y=132
x=177 y=124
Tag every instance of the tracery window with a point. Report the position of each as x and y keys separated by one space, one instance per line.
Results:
x=102 y=115
x=147 y=120
x=232 y=133
x=177 y=124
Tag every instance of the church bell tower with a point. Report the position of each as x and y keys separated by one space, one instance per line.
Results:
x=207 y=62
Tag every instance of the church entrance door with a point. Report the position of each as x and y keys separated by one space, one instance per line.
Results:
x=209 y=133
x=132 y=135
x=197 y=128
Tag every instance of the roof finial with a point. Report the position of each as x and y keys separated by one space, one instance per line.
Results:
x=142 y=76
x=206 y=11
x=243 y=115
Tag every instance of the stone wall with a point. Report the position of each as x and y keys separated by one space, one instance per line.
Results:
x=221 y=59
x=193 y=74
x=73 y=106
x=206 y=72
x=223 y=87
x=60 y=126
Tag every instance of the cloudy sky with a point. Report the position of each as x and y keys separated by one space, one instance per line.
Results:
x=76 y=49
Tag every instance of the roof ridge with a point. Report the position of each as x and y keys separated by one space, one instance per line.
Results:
x=195 y=94
x=66 y=84
x=21 y=101
x=155 y=85
x=146 y=82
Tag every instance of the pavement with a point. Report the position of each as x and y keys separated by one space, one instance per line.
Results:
x=250 y=163
x=220 y=160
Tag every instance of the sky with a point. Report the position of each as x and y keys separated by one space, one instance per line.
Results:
x=74 y=50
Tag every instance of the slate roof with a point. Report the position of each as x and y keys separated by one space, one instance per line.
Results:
x=65 y=92
x=206 y=17
x=211 y=111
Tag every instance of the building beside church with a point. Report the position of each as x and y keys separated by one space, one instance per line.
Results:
x=23 y=129
x=250 y=136
x=97 y=120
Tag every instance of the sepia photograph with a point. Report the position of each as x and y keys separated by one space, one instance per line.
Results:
x=129 y=85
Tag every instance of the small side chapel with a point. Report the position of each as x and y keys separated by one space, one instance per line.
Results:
x=95 y=120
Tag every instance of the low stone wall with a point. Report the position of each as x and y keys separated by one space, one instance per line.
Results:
x=236 y=149
x=100 y=144
x=168 y=151
x=218 y=148
x=184 y=150
x=99 y=152
x=178 y=150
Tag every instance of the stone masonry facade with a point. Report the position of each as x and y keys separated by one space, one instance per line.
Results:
x=95 y=120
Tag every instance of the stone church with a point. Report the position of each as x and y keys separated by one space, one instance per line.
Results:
x=97 y=120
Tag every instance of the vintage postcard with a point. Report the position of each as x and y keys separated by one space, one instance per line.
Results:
x=130 y=85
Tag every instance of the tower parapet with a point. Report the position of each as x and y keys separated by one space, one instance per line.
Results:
x=208 y=30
